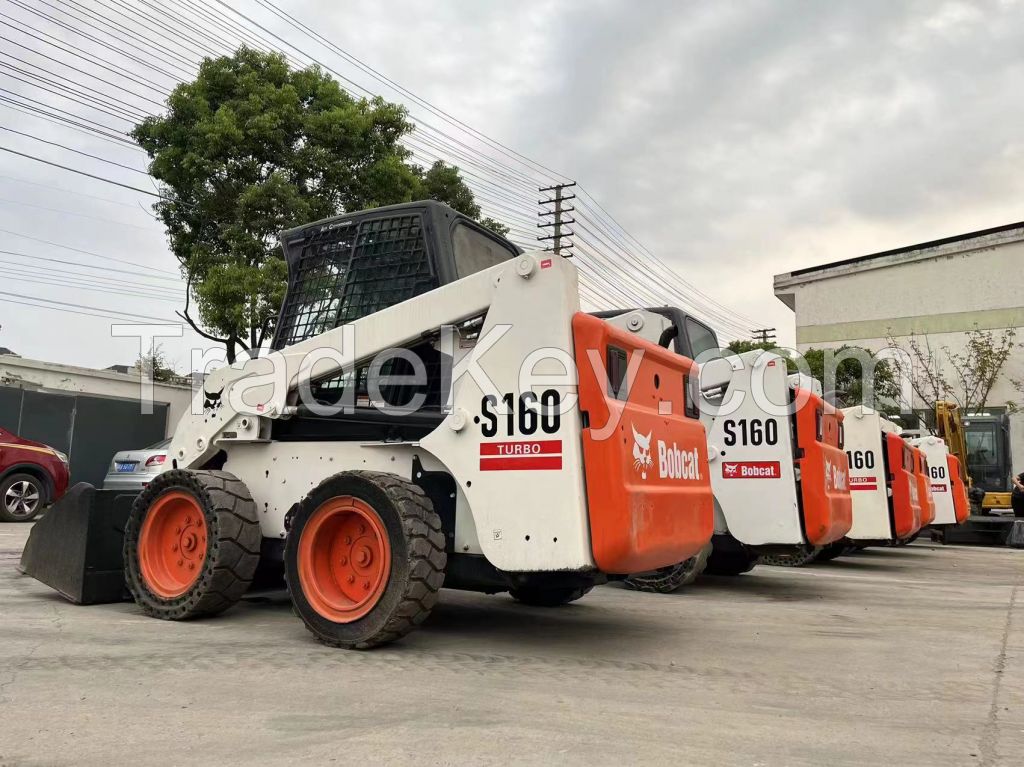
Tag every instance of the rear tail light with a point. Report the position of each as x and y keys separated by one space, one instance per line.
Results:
x=155 y=460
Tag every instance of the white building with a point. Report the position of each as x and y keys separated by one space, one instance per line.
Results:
x=940 y=290
x=22 y=372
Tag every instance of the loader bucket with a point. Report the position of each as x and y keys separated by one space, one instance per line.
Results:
x=75 y=547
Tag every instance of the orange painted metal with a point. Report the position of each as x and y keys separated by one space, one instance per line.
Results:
x=649 y=494
x=961 y=504
x=824 y=469
x=904 y=502
x=344 y=559
x=172 y=544
x=924 y=487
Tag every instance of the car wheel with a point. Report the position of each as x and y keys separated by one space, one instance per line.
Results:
x=21 y=497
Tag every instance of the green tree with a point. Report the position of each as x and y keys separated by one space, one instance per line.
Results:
x=154 y=365
x=251 y=147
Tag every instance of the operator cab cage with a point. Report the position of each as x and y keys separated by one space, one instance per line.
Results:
x=689 y=336
x=346 y=267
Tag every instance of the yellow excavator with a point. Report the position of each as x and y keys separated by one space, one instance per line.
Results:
x=953 y=428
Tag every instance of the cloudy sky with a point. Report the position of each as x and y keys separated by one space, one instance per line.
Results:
x=735 y=140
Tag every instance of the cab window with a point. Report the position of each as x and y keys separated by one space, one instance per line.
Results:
x=476 y=251
x=702 y=338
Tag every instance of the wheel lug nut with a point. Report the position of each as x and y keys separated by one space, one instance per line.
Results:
x=177 y=530
x=351 y=579
x=362 y=528
x=174 y=547
x=348 y=539
x=181 y=562
x=344 y=560
x=191 y=565
x=366 y=585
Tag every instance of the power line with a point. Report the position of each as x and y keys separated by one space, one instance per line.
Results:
x=176 y=278
x=81 y=172
x=71 y=149
x=107 y=312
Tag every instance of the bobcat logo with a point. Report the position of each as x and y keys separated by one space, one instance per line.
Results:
x=212 y=401
x=641 y=452
x=730 y=469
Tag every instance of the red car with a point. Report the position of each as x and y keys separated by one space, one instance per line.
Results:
x=32 y=475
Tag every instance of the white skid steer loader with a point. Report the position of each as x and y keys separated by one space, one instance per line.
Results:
x=883 y=482
x=437 y=410
x=946 y=478
x=778 y=470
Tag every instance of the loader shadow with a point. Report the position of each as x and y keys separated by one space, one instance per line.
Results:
x=501 y=622
x=852 y=565
x=749 y=584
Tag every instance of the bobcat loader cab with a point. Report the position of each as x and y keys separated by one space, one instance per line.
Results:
x=536 y=450
x=883 y=482
x=948 y=490
x=778 y=470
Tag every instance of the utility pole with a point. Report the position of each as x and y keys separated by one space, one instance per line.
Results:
x=561 y=242
x=763 y=336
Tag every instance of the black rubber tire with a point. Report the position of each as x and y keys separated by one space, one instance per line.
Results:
x=669 y=579
x=418 y=559
x=832 y=551
x=801 y=555
x=12 y=480
x=233 y=549
x=730 y=563
x=553 y=597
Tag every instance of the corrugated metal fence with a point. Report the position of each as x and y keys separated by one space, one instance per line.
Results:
x=89 y=428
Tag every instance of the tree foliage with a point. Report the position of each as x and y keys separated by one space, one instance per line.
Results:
x=966 y=377
x=251 y=147
x=154 y=365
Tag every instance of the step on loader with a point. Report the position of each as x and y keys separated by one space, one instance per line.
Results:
x=436 y=411
x=778 y=469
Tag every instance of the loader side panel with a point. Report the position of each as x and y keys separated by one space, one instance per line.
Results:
x=924 y=487
x=649 y=493
x=961 y=505
x=906 y=512
x=940 y=484
x=905 y=489
x=824 y=470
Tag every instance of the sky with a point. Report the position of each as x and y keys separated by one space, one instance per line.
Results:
x=734 y=140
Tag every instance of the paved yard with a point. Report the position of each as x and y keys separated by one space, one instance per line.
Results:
x=893 y=657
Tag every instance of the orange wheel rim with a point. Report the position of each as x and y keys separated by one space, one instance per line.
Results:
x=344 y=559
x=172 y=544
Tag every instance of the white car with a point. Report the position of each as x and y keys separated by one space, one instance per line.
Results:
x=134 y=469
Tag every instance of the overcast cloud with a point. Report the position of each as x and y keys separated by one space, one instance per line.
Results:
x=736 y=140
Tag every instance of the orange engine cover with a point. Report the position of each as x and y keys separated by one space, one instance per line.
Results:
x=649 y=492
x=961 y=505
x=906 y=509
x=924 y=488
x=824 y=470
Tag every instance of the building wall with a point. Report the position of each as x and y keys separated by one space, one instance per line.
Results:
x=34 y=373
x=941 y=292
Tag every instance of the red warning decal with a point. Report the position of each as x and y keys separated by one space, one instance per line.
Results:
x=521 y=455
x=545 y=264
x=751 y=469
x=863 y=483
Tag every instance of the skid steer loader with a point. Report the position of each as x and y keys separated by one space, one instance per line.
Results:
x=946 y=482
x=436 y=411
x=883 y=480
x=778 y=469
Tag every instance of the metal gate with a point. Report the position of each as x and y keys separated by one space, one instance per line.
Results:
x=88 y=427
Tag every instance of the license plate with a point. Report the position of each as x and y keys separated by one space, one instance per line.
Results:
x=125 y=466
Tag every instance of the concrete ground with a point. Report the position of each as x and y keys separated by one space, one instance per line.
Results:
x=892 y=657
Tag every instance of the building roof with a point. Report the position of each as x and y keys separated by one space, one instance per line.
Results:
x=911 y=248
